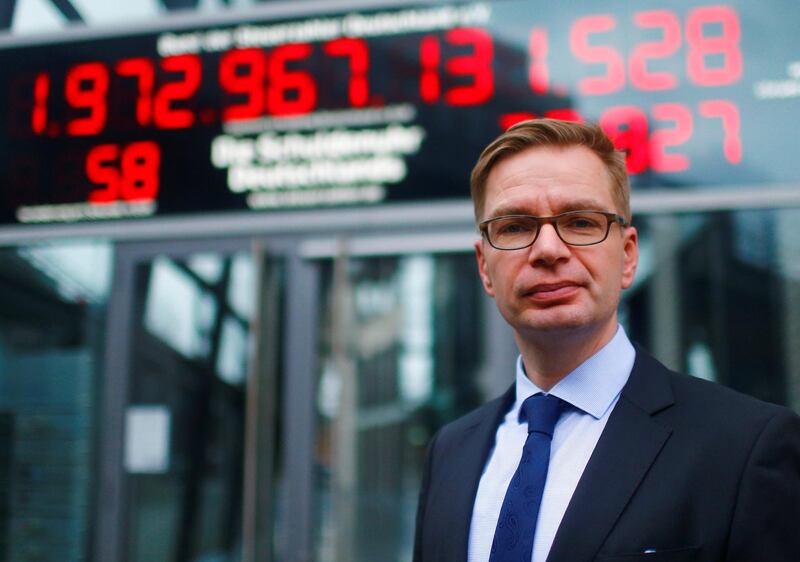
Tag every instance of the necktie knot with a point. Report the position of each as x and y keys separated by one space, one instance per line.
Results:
x=542 y=412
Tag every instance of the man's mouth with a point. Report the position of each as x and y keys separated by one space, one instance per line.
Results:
x=552 y=291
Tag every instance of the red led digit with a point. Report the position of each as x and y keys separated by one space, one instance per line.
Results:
x=41 y=91
x=565 y=114
x=243 y=72
x=729 y=114
x=357 y=55
x=142 y=70
x=660 y=139
x=164 y=114
x=86 y=87
x=290 y=92
x=701 y=45
x=477 y=65
x=614 y=78
x=509 y=119
x=538 y=71
x=430 y=57
x=101 y=169
x=627 y=127
x=139 y=167
x=669 y=44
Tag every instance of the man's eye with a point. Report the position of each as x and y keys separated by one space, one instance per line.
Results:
x=581 y=223
x=513 y=228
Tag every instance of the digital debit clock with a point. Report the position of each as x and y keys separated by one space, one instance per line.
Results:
x=390 y=104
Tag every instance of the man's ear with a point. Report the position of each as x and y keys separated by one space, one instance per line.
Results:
x=483 y=270
x=630 y=258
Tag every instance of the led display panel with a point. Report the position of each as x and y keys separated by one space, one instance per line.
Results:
x=391 y=104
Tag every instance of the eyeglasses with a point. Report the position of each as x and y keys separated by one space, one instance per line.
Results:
x=576 y=228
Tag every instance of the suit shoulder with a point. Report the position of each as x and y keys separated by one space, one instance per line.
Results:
x=714 y=396
x=697 y=405
x=722 y=411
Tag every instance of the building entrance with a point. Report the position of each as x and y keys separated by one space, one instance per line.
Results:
x=270 y=396
x=266 y=397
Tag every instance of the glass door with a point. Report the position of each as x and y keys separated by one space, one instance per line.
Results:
x=276 y=405
x=403 y=348
x=200 y=414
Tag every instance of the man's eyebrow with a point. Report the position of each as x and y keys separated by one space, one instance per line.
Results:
x=581 y=205
x=509 y=210
x=562 y=207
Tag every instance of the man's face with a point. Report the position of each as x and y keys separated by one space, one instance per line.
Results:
x=551 y=287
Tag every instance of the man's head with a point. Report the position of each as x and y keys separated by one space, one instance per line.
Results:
x=552 y=287
x=554 y=133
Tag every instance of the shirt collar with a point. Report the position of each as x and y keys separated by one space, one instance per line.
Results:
x=594 y=384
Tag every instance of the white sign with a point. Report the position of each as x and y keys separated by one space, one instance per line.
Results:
x=147 y=431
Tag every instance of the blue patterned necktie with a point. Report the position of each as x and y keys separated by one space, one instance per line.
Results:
x=513 y=537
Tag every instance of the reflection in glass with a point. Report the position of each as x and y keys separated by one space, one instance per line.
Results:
x=232 y=352
x=178 y=311
x=208 y=267
x=718 y=297
x=52 y=319
x=242 y=285
x=415 y=365
x=190 y=361
x=400 y=355
x=81 y=272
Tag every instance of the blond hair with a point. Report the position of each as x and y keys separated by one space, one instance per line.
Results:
x=548 y=133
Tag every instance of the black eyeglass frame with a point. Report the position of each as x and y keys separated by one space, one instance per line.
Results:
x=551 y=220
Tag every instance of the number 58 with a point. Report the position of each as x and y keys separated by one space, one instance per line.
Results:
x=129 y=173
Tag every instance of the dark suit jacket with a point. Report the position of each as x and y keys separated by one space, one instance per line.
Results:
x=689 y=468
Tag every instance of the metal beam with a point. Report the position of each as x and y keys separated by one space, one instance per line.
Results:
x=300 y=351
x=438 y=214
x=110 y=500
x=178 y=5
x=68 y=10
x=7 y=13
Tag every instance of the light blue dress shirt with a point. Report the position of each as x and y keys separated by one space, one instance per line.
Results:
x=592 y=390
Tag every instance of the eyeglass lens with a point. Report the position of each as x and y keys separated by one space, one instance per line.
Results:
x=573 y=228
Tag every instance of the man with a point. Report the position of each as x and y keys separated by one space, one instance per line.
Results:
x=597 y=452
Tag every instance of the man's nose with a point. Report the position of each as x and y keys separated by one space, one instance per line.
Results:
x=549 y=247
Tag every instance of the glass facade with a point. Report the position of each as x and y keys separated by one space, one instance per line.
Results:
x=52 y=321
x=400 y=354
x=186 y=419
x=717 y=296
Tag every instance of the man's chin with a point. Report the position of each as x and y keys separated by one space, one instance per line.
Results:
x=553 y=322
x=553 y=328
x=540 y=329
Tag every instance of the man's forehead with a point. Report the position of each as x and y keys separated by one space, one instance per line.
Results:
x=567 y=178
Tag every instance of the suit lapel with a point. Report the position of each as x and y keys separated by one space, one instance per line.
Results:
x=629 y=445
x=465 y=470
